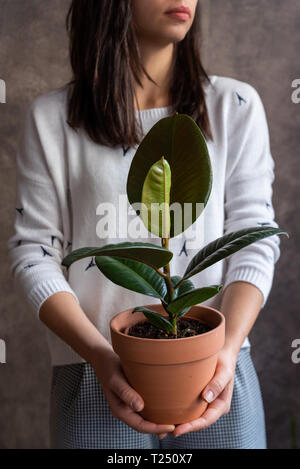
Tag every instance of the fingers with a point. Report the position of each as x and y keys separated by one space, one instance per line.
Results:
x=222 y=377
x=125 y=413
x=219 y=407
x=126 y=393
x=162 y=435
x=124 y=402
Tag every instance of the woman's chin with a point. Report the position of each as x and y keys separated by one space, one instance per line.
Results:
x=173 y=36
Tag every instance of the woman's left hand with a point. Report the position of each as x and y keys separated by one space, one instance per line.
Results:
x=218 y=394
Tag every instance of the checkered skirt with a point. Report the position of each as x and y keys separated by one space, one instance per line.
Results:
x=80 y=417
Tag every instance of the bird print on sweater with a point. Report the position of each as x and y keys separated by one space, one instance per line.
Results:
x=91 y=265
x=125 y=150
x=29 y=266
x=53 y=238
x=45 y=252
x=241 y=99
x=183 y=250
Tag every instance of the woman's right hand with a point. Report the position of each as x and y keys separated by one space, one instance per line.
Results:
x=123 y=400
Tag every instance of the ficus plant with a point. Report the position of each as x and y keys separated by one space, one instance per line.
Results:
x=171 y=168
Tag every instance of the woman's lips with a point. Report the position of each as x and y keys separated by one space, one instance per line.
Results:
x=182 y=13
x=178 y=15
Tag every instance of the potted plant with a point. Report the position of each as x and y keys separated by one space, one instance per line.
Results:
x=168 y=350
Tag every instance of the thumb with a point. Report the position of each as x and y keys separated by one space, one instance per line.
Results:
x=128 y=395
x=216 y=386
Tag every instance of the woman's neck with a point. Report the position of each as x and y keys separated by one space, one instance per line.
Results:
x=158 y=62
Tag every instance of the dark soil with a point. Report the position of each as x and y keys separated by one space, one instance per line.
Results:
x=185 y=328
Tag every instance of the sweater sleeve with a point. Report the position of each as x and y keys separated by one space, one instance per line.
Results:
x=248 y=192
x=36 y=248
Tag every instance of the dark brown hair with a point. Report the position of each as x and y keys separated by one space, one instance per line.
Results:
x=106 y=60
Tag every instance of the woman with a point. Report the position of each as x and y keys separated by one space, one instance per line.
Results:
x=135 y=62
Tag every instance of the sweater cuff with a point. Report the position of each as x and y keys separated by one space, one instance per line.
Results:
x=252 y=275
x=45 y=289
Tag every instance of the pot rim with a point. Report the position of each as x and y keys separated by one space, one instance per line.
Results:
x=195 y=337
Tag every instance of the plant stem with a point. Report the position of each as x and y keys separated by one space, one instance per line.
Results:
x=165 y=244
x=170 y=288
x=174 y=322
x=178 y=284
x=159 y=272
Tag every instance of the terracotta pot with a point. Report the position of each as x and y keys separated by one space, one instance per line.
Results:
x=169 y=374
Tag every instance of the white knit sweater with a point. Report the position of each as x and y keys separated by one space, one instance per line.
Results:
x=62 y=177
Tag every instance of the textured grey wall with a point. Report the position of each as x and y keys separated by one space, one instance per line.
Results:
x=252 y=40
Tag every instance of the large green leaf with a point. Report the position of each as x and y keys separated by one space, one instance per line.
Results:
x=132 y=275
x=147 y=253
x=227 y=245
x=192 y=298
x=179 y=139
x=155 y=211
x=155 y=318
